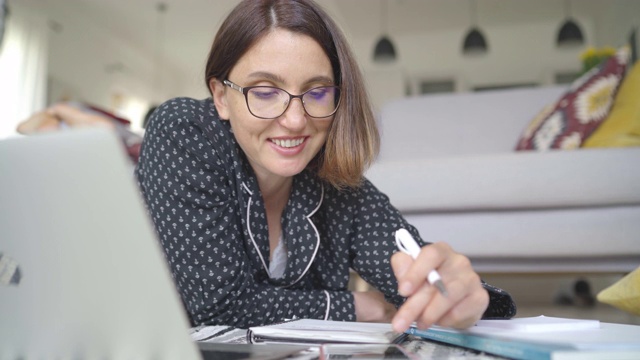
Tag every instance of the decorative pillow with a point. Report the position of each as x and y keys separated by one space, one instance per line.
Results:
x=624 y=294
x=569 y=121
x=622 y=127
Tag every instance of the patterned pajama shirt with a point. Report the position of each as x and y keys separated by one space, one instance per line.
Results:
x=208 y=211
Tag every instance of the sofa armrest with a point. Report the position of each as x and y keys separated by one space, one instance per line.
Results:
x=514 y=180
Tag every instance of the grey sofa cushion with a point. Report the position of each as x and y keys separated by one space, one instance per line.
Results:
x=513 y=180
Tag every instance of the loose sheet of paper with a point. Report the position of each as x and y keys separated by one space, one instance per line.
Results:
x=539 y=324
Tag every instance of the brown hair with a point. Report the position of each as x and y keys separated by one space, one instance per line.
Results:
x=353 y=141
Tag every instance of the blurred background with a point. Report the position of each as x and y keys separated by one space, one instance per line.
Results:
x=127 y=55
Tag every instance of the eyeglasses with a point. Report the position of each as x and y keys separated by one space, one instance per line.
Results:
x=269 y=102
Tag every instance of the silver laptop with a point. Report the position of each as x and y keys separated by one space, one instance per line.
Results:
x=82 y=275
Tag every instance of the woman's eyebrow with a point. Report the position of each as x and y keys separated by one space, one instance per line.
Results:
x=267 y=76
x=321 y=79
x=278 y=79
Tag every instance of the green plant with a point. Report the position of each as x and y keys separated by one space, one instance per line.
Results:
x=592 y=57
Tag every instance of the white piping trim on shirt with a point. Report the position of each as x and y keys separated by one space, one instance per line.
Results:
x=315 y=252
x=326 y=314
x=264 y=264
x=247 y=188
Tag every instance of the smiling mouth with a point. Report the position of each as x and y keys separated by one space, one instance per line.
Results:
x=289 y=143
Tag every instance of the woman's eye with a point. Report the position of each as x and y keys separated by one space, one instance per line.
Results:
x=266 y=93
x=318 y=93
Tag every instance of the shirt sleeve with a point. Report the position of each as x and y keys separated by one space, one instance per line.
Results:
x=185 y=181
x=375 y=224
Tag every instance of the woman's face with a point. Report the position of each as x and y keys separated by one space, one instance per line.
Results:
x=281 y=147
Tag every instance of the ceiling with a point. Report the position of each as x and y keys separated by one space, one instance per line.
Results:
x=185 y=30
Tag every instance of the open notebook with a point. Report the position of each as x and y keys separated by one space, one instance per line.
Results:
x=315 y=332
x=82 y=275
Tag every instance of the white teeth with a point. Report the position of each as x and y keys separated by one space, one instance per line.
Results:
x=288 y=143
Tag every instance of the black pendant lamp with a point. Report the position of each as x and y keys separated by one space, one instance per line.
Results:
x=570 y=33
x=384 y=52
x=474 y=42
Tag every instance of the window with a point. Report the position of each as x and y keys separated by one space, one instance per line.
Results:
x=23 y=58
x=434 y=87
x=504 y=86
x=565 y=77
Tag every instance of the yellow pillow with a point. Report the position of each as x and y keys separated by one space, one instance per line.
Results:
x=624 y=294
x=622 y=127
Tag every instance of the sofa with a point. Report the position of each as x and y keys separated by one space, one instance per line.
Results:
x=448 y=163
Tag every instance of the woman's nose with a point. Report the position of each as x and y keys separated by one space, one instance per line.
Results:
x=294 y=118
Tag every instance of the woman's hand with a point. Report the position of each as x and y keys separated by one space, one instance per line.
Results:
x=371 y=307
x=466 y=300
x=52 y=118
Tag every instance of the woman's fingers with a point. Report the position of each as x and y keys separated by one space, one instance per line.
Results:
x=400 y=263
x=467 y=312
x=466 y=299
x=413 y=308
x=427 y=305
x=465 y=304
x=439 y=305
x=431 y=257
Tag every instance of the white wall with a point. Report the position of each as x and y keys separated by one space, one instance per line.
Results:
x=519 y=52
x=613 y=24
x=107 y=72
x=522 y=50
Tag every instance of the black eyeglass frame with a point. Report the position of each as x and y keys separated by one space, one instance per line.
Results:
x=245 y=90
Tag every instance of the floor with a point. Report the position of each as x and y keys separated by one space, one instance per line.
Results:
x=552 y=295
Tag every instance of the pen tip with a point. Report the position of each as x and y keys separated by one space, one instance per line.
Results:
x=440 y=286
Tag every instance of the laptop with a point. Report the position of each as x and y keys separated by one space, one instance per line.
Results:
x=82 y=274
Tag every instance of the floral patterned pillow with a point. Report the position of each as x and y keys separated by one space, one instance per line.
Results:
x=567 y=123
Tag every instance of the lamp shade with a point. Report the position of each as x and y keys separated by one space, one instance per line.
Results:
x=570 y=34
x=384 y=50
x=474 y=42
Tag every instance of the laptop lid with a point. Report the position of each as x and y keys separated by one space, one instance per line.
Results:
x=81 y=274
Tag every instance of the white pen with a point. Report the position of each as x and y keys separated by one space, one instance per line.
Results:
x=408 y=245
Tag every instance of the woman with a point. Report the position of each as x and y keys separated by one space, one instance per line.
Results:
x=258 y=194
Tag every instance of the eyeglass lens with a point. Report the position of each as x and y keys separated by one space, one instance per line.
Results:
x=271 y=102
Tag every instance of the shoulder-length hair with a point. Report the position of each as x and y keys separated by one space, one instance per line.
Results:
x=353 y=140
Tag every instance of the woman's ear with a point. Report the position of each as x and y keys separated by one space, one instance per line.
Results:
x=219 y=98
